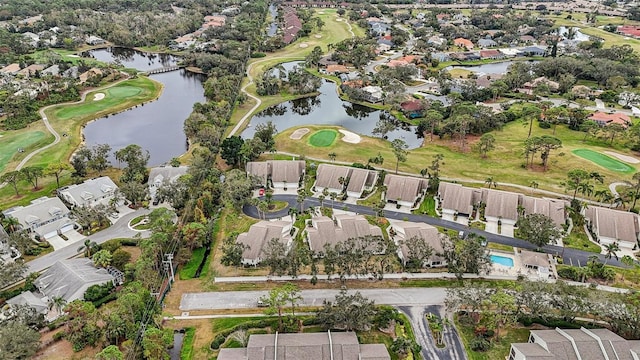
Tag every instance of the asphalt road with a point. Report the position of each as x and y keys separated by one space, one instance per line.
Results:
x=570 y=256
x=118 y=230
x=248 y=299
x=453 y=350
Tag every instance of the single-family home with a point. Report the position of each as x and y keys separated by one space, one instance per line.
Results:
x=384 y=45
x=511 y=52
x=436 y=40
x=159 y=176
x=325 y=230
x=484 y=81
x=53 y=70
x=71 y=72
x=404 y=190
x=306 y=346
x=413 y=108
x=31 y=70
x=533 y=84
x=463 y=43
x=491 y=54
x=487 y=43
x=336 y=69
x=611 y=226
x=440 y=56
x=378 y=28
x=89 y=74
x=10 y=69
x=94 y=40
x=372 y=94
x=45 y=217
x=629 y=30
x=279 y=174
x=604 y=119
x=527 y=39
x=552 y=208
x=405 y=230
x=534 y=50
x=501 y=211
x=541 y=263
x=89 y=193
x=457 y=202
x=259 y=235
x=31 y=38
x=70 y=278
x=575 y=344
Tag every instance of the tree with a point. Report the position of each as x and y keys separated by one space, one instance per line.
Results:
x=636 y=189
x=399 y=148
x=539 y=230
x=466 y=256
x=155 y=343
x=384 y=125
x=504 y=310
x=18 y=341
x=547 y=144
x=575 y=177
x=111 y=352
x=431 y=120
x=266 y=132
x=56 y=169
x=274 y=256
x=135 y=192
x=20 y=240
x=377 y=160
x=611 y=250
x=32 y=174
x=332 y=156
x=613 y=130
x=12 y=178
x=418 y=252
x=99 y=160
x=232 y=251
x=120 y=258
x=136 y=160
x=230 y=150
x=529 y=115
x=348 y=312
x=490 y=182
x=590 y=128
x=279 y=297
x=10 y=224
x=237 y=188
x=485 y=144
x=89 y=247
x=12 y=272
x=314 y=57
x=102 y=258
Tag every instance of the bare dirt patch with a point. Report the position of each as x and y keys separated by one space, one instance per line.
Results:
x=98 y=96
x=625 y=158
x=298 y=134
x=349 y=137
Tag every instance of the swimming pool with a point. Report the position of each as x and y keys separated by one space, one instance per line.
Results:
x=502 y=260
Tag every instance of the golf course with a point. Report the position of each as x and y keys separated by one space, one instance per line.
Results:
x=603 y=160
x=323 y=138
x=14 y=145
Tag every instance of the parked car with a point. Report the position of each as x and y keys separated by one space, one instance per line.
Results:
x=261 y=303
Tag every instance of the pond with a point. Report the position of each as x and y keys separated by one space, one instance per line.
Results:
x=579 y=36
x=328 y=109
x=174 y=352
x=156 y=126
x=273 y=27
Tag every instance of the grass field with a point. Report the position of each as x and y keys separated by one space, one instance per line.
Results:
x=604 y=160
x=323 y=138
x=505 y=163
x=27 y=139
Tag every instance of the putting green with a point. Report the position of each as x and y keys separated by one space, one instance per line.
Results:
x=604 y=160
x=11 y=142
x=323 y=138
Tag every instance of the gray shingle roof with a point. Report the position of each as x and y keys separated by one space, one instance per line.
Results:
x=278 y=170
x=39 y=213
x=427 y=233
x=614 y=224
x=260 y=234
x=325 y=231
x=327 y=175
x=85 y=194
x=554 y=209
x=404 y=188
x=500 y=204
x=309 y=346
x=158 y=174
x=70 y=278
x=457 y=197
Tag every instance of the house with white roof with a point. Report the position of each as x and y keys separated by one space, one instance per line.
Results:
x=45 y=217
x=90 y=193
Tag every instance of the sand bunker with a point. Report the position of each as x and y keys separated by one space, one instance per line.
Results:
x=625 y=158
x=350 y=137
x=303 y=45
x=338 y=19
x=98 y=96
x=298 y=134
x=318 y=36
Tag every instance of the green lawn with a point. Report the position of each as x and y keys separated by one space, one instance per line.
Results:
x=186 y=353
x=323 y=138
x=579 y=240
x=113 y=97
x=604 y=160
x=428 y=206
x=500 y=349
x=188 y=271
x=11 y=141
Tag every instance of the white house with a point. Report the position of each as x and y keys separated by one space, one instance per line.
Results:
x=45 y=217
x=259 y=235
x=90 y=193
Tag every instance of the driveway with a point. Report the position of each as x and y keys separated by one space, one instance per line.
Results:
x=453 y=350
x=118 y=230
x=248 y=299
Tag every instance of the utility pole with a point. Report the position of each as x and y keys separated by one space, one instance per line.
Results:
x=168 y=263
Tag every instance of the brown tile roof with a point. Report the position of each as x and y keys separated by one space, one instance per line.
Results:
x=614 y=224
x=500 y=204
x=459 y=198
x=555 y=209
x=490 y=53
x=11 y=68
x=462 y=42
x=404 y=188
x=615 y=118
x=337 y=69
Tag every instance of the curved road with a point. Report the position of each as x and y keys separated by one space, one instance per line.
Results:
x=570 y=256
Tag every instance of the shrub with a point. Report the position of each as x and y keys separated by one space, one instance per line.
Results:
x=111 y=245
x=218 y=341
x=58 y=336
x=568 y=273
x=479 y=343
x=258 y=55
x=97 y=292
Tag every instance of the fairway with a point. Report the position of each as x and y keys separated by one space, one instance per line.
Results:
x=11 y=142
x=323 y=138
x=113 y=96
x=603 y=160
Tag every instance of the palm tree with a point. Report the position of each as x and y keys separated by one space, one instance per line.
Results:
x=533 y=185
x=636 y=188
x=332 y=156
x=490 y=182
x=10 y=224
x=604 y=196
x=89 y=247
x=58 y=302
x=611 y=250
x=333 y=195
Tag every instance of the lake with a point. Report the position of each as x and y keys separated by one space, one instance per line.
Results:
x=493 y=68
x=328 y=109
x=156 y=126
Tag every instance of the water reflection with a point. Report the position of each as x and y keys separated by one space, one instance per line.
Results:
x=131 y=58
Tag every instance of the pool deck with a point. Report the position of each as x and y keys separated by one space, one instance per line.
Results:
x=518 y=267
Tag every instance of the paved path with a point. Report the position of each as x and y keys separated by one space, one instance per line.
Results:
x=248 y=299
x=453 y=350
x=118 y=230
x=570 y=256
x=614 y=185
